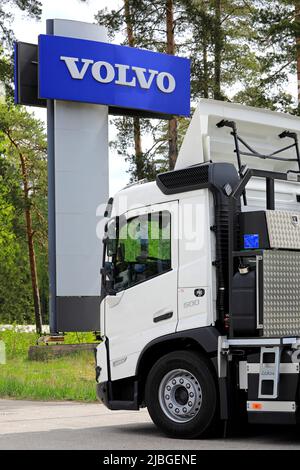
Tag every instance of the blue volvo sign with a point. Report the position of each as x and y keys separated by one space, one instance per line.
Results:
x=101 y=73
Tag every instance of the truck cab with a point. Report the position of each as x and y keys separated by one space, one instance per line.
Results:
x=200 y=303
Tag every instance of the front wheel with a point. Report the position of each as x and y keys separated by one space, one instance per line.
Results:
x=181 y=395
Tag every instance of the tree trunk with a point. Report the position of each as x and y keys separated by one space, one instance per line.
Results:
x=128 y=20
x=218 y=51
x=31 y=251
x=139 y=163
x=205 y=69
x=297 y=21
x=171 y=49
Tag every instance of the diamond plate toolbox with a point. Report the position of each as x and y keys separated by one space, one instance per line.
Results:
x=283 y=229
x=281 y=293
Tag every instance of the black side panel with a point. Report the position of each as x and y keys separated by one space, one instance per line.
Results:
x=288 y=388
x=207 y=337
x=78 y=313
x=223 y=175
x=243 y=312
x=27 y=75
x=254 y=223
x=272 y=418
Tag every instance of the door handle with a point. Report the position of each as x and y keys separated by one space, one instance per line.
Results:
x=163 y=316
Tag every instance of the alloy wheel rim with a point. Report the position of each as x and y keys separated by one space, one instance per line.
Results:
x=180 y=395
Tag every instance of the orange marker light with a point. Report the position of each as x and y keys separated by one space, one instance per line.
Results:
x=256 y=406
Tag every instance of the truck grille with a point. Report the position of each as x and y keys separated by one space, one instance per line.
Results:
x=187 y=179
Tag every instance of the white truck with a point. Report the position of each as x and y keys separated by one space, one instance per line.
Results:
x=200 y=303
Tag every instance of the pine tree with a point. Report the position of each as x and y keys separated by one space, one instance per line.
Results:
x=276 y=45
x=23 y=141
x=219 y=45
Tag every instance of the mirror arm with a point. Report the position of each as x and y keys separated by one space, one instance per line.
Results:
x=111 y=292
x=104 y=273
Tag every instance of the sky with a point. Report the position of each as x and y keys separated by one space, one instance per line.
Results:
x=27 y=30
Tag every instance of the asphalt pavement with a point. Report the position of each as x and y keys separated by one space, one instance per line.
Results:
x=70 y=425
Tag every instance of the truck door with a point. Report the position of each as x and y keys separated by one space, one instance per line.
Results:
x=145 y=266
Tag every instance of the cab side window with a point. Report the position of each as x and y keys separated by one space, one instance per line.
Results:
x=143 y=249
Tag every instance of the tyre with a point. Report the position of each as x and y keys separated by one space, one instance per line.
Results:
x=181 y=395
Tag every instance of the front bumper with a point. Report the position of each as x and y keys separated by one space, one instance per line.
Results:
x=101 y=362
x=102 y=393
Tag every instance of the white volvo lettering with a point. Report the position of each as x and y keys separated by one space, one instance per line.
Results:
x=71 y=63
x=104 y=72
x=108 y=70
x=140 y=73
x=122 y=76
x=160 y=81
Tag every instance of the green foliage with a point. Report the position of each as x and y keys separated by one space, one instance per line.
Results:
x=218 y=43
x=153 y=158
x=66 y=378
x=17 y=343
x=69 y=378
x=274 y=43
x=15 y=287
x=21 y=134
x=79 y=337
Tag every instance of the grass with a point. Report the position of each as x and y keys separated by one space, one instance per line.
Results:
x=66 y=378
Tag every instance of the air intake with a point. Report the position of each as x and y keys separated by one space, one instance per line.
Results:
x=187 y=179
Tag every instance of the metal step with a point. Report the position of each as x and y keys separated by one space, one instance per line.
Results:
x=269 y=372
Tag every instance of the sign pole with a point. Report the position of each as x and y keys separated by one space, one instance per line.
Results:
x=51 y=219
x=51 y=209
x=78 y=184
